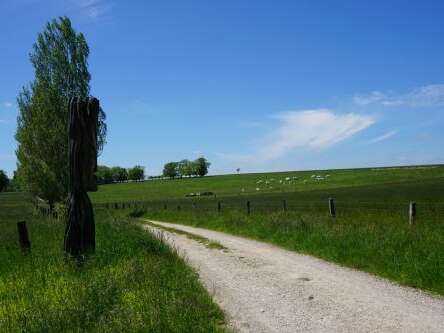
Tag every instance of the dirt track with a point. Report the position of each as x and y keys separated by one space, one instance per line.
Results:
x=263 y=288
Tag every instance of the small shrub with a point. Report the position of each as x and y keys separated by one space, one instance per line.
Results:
x=137 y=212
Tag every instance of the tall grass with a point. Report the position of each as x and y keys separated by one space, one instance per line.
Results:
x=134 y=282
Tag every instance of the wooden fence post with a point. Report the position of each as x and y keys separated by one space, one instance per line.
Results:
x=248 y=208
x=218 y=207
x=24 y=242
x=331 y=206
x=284 y=203
x=412 y=212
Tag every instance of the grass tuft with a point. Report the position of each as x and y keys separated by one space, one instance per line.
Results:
x=211 y=244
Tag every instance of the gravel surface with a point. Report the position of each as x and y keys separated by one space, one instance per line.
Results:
x=263 y=288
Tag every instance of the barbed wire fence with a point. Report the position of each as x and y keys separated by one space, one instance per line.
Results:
x=251 y=206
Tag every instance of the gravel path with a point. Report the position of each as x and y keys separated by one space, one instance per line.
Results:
x=263 y=288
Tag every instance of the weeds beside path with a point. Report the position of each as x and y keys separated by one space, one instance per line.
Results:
x=379 y=243
x=134 y=282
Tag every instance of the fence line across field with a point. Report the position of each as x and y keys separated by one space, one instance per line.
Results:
x=330 y=205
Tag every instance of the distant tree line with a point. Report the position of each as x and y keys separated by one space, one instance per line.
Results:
x=108 y=175
x=186 y=168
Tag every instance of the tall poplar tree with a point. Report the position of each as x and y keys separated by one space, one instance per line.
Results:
x=60 y=60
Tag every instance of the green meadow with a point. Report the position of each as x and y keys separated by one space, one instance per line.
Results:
x=266 y=183
x=370 y=232
x=134 y=282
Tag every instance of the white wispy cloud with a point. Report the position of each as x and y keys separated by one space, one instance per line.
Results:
x=384 y=136
x=373 y=97
x=307 y=129
x=425 y=96
x=7 y=104
x=93 y=9
x=197 y=153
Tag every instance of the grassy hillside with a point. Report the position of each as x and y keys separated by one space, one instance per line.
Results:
x=133 y=283
x=371 y=230
x=247 y=184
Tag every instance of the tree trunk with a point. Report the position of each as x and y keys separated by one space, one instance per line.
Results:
x=80 y=228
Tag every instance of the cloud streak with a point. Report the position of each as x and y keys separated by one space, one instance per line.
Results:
x=307 y=129
x=7 y=104
x=93 y=9
x=425 y=96
x=384 y=136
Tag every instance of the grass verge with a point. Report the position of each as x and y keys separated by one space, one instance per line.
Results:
x=134 y=282
x=380 y=242
x=203 y=240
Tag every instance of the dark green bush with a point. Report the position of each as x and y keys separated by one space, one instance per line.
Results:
x=137 y=212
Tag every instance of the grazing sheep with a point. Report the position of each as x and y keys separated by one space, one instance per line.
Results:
x=257 y=189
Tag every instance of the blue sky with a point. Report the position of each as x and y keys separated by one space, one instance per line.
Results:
x=259 y=85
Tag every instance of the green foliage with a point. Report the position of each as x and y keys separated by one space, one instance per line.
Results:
x=59 y=58
x=61 y=211
x=186 y=168
x=134 y=282
x=170 y=170
x=136 y=173
x=201 y=166
x=119 y=174
x=4 y=180
x=104 y=175
x=107 y=175
x=137 y=212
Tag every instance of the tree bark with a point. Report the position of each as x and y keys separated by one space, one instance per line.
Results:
x=80 y=227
